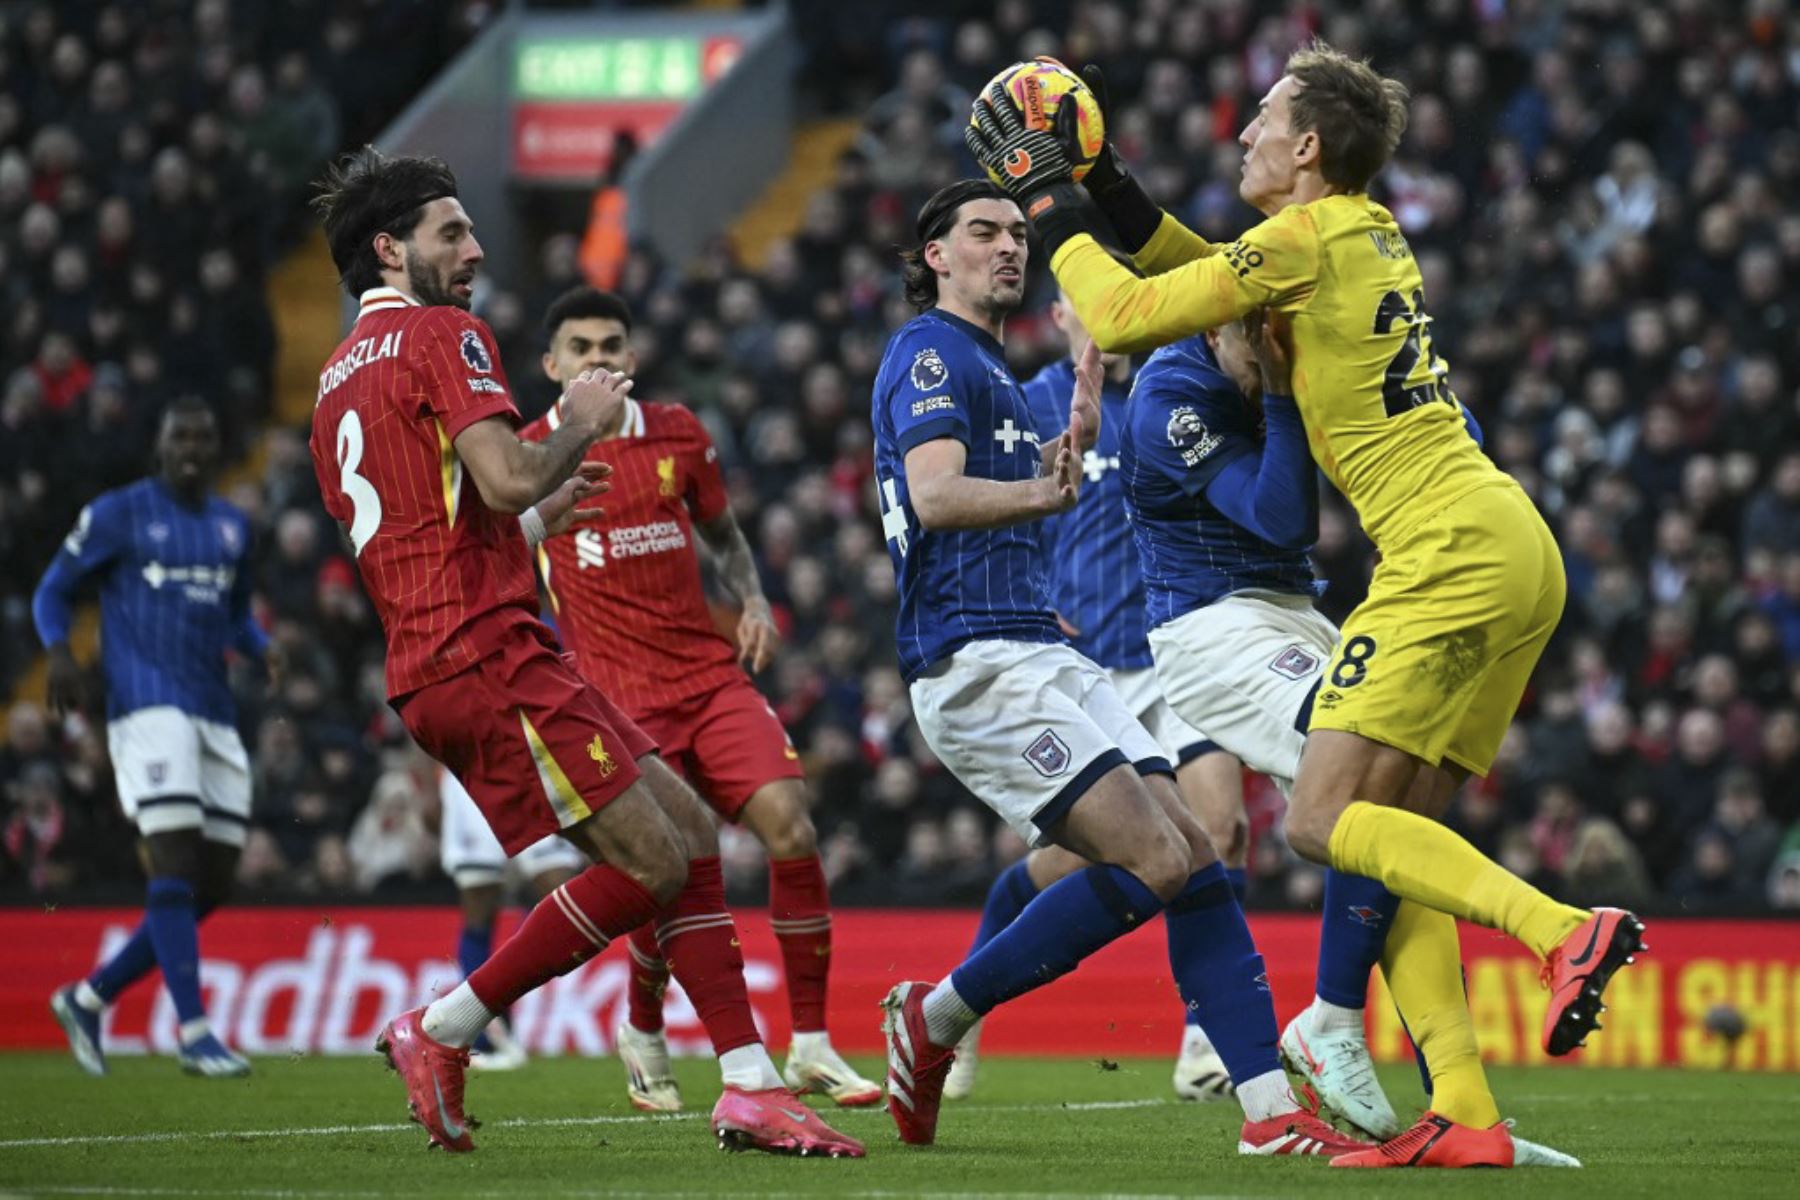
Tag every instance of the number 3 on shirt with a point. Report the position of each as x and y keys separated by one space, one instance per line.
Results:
x=365 y=503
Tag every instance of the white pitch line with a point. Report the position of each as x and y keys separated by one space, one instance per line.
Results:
x=226 y=1135
x=288 y=1194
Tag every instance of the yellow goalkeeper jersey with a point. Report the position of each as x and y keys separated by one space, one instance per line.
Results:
x=1380 y=416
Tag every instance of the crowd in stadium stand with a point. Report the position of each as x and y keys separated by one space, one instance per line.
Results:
x=1604 y=199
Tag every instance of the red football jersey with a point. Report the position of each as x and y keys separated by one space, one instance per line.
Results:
x=450 y=577
x=626 y=588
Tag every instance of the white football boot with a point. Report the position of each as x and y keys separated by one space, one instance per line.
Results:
x=1336 y=1063
x=1200 y=1073
x=813 y=1066
x=497 y=1049
x=649 y=1080
x=1531 y=1154
x=961 y=1080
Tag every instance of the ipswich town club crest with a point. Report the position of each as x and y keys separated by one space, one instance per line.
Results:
x=474 y=353
x=1049 y=755
x=1294 y=663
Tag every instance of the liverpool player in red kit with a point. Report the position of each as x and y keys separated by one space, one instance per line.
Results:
x=414 y=445
x=627 y=595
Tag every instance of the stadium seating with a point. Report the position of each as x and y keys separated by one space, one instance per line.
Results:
x=1614 y=281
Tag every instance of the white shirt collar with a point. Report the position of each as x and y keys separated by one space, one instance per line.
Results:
x=378 y=298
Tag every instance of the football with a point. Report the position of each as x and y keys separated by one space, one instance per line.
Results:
x=1039 y=89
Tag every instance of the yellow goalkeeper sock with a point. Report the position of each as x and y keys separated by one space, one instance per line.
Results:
x=1423 y=964
x=1419 y=859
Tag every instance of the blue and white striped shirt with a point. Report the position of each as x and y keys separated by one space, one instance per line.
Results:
x=1185 y=422
x=1095 y=581
x=174 y=593
x=944 y=377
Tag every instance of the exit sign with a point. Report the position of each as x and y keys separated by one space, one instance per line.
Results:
x=631 y=69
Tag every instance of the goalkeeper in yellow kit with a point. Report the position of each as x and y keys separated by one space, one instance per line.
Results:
x=1429 y=670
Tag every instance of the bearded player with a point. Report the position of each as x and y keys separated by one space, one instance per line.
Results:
x=415 y=448
x=1429 y=670
x=628 y=600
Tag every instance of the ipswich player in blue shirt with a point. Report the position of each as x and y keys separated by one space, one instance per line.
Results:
x=170 y=559
x=1098 y=593
x=1024 y=721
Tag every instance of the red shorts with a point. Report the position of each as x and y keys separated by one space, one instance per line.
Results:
x=727 y=743
x=536 y=745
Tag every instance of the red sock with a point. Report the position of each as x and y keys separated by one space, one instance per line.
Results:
x=568 y=927
x=800 y=915
x=699 y=942
x=649 y=979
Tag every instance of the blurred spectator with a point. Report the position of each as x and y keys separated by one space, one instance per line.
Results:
x=390 y=841
x=1603 y=867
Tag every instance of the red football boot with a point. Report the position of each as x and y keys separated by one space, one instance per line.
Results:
x=1437 y=1142
x=433 y=1074
x=917 y=1067
x=1577 y=972
x=1300 y=1133
x=776 y=1120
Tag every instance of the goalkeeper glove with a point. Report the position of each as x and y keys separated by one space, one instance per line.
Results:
x=1109 y=181
x=1030 y=163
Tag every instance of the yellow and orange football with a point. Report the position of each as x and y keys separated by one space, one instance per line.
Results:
x=1039 y=89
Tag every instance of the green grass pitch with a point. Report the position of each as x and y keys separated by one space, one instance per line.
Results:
x=312 y=1127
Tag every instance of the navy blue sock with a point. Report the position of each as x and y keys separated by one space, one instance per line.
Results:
x=1220 y=975
x=1006 y=899
x=473 y=948
x=132 y=961
x=1358 y=914
x=169 y=912
x=1239 y=879
x=1068 y=921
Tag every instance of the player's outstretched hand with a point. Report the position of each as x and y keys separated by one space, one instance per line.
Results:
x=596 y=399
x=63 y=690
x=563 y=509
x=1025 y=161
x=757 y=634
x=1271 y=336
x=1090 y=378
x=1064 y=479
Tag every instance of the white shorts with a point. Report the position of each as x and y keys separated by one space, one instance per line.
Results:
x=1028 y=728
x=1142 y=694
x=1243 y=670
x=176 y=771
x=471 y=854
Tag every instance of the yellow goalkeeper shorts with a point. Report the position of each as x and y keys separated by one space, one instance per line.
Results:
x=1461 y=606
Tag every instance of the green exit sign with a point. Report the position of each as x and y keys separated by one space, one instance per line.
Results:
x=624 y=68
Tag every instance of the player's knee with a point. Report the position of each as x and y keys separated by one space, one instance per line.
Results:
x=778 y=815
x=661 y=868
x=1308 y=828
x=1230 y=837
x=795 y=839
x=1163 y=864
x=176 y=855
x=694 y=822
x=480 y=906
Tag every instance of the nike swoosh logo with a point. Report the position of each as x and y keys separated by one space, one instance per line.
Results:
x=791 y=1115
x=1588 y=951
x=1318 y=1068
x=450 y=1127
